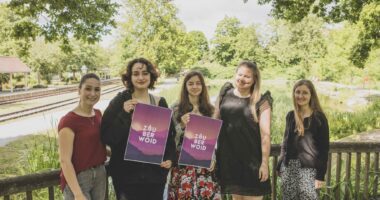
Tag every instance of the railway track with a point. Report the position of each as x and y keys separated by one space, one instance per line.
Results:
x=39 y=94
x=50 y=106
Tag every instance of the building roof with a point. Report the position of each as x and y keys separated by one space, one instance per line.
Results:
x=12 y=65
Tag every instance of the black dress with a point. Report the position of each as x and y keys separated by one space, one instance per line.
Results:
x=239 y=146
x=132 y=180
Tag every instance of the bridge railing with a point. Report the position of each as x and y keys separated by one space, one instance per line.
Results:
x=352 y=173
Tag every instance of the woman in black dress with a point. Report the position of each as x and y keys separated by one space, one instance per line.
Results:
x=244 y=142
x=135 y=180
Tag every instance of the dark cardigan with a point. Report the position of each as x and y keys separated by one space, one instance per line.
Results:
x=312 y=148
x=115 y=131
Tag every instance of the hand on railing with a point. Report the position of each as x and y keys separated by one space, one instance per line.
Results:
x=319 y=184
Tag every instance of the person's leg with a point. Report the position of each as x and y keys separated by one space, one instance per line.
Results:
x=307 y=184
x=155 y=191
x=289 y=180
x=85 y=183
x=98 y=190
x=119 y=188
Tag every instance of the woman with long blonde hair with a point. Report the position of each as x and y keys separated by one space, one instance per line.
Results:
x=304 y=152
x=244 y=141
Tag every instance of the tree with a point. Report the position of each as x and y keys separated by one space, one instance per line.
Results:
x=9 y=46
x=197 y=45
x=58 y=20
x=297 y=46
x=225 y=39
x=152 y=30
x=248 y=47
x=366 y=13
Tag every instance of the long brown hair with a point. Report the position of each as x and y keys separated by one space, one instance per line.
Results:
x=314 y=104
x=255 y=88
x=184 y=105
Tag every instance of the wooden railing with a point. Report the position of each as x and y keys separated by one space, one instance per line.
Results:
x=354 y=181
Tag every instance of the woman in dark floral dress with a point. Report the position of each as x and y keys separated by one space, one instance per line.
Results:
x=188 y=182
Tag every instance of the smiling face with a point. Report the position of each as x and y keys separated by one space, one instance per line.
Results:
x=140 y=76
x=244 y=78
x=302 y=95
x=89 y=92
x=194 y=86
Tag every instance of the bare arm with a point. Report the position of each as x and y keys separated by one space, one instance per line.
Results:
x=265 y=118
x=66 y=142
x=216 y=114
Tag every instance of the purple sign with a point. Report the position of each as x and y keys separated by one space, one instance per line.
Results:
x=148 y=134
x=199 y=141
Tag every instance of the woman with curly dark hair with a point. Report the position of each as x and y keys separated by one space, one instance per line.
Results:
x=135 y=180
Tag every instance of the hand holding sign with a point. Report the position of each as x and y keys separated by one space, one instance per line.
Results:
x=148 y=134
x=199 y=141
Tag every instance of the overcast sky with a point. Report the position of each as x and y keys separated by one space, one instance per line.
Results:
x=203 y=15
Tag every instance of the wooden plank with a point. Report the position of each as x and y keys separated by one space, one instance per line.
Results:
x=376 y=168
x=51 y=193
x=29 y=182
x=274 y=177
x=29 y=195
x=357 y=175
x=347 y=179
x=337 y=174
x=107 y=189
x=328 y=179
x=366 y=175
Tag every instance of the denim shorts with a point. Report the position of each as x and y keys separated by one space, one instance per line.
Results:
x=92 y=183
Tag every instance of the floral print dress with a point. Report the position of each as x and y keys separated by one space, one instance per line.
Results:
x=188 y=182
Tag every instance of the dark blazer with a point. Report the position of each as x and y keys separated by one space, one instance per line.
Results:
x=114 y=133
x=312 y=148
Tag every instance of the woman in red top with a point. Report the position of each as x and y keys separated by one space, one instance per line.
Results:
x=82 y=155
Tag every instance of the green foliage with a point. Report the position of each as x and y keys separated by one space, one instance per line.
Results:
x=196 y=47
x=297 y=46
x=205 y=71
x=369 y=34
x=84 y=20
x=225 y=39
x=365 y=13
x=343 y=124
x=152 y=30
x=218 y=71
x=9 y=46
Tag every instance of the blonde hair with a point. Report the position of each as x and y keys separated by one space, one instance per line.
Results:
x=255 y=88
x=313 y=103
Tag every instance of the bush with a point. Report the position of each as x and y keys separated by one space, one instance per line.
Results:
x=203 y=70
x=39 y=86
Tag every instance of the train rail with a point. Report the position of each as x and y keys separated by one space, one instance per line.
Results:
x=50 y=106
x=39 y=94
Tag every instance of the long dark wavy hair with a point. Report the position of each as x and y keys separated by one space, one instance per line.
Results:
x=127 y=76
x=184 y=105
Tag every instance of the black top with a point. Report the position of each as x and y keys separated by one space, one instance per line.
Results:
x=312 y=148
x=239 y=151
x=115 y=131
